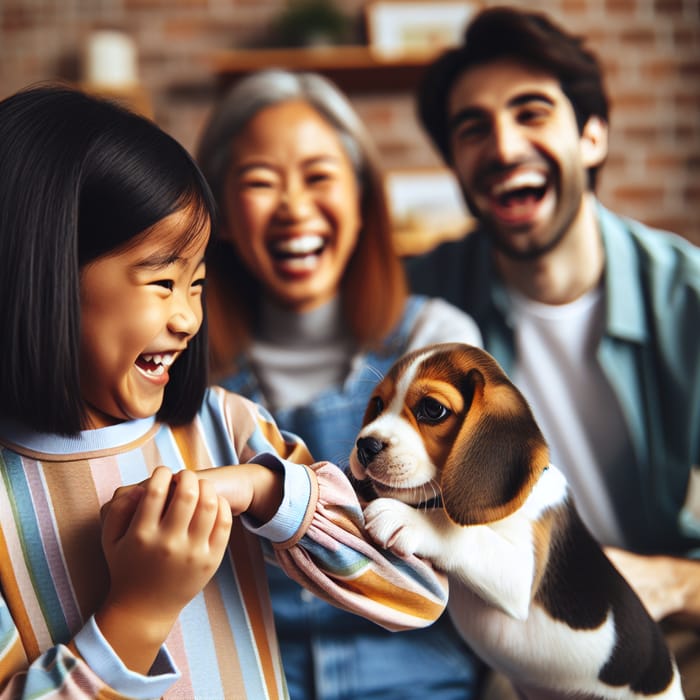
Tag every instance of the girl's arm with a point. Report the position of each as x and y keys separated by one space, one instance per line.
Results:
x=317 y=529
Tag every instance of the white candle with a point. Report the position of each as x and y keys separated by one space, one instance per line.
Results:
x=110 y=59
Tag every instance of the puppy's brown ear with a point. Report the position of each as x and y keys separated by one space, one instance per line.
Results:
x=498 y=455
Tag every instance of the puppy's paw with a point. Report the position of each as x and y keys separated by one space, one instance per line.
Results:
x=394 y=525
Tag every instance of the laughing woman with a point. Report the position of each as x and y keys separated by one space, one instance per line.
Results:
x=308 y=307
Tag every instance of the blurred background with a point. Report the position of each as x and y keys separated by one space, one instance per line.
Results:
x=170 y=59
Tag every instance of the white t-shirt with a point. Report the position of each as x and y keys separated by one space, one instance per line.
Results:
x=558 y=372
x=298 y=355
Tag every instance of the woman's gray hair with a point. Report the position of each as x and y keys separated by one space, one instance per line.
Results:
x=263 y=89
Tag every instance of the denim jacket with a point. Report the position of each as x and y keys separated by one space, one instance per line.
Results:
x=328 y=653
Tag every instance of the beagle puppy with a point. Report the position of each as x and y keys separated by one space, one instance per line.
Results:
x=461 y=476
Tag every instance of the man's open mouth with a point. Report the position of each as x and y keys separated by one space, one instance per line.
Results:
x=155 y=365
x=518 y=197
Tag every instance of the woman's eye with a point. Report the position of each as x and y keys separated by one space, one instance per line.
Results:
x=430 y=410
x=257 y=184
x=318 y=177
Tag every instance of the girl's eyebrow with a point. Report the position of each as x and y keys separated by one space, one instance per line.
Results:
x=159 y=261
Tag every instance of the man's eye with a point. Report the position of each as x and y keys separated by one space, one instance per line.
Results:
x=430 y=410
x=529 y=116
x=471 y=131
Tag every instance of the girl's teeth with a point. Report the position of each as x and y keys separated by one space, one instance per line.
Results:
x=166 y=359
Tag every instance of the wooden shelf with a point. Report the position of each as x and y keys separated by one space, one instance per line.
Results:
x=352 y=68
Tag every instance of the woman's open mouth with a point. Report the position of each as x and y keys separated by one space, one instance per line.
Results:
x=298 y=254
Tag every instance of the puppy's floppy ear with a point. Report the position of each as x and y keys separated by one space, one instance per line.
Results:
x=498 y=454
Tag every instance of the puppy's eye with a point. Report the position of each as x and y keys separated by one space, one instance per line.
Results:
x=376 y=406
x=431 y=411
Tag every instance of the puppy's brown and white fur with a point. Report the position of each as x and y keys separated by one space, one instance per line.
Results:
x=531 y=591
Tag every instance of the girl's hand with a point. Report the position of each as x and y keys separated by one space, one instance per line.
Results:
x=163 y=540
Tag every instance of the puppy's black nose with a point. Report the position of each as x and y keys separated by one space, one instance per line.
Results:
x=367 y=449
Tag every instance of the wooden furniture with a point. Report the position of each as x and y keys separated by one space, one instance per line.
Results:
x=355 y=69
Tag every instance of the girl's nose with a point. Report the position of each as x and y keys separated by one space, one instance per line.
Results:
x=186 y=317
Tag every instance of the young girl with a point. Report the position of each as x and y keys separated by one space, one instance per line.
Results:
x=121 y=577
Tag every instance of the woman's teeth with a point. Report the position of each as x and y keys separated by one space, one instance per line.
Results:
x=299 y=245
x=298 y=253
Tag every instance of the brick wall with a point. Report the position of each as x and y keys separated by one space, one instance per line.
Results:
x=650 y=48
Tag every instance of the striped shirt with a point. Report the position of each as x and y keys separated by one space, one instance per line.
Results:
x=53 y=576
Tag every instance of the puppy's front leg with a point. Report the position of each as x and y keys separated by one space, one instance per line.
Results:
x=406 y=530
x=496 y=562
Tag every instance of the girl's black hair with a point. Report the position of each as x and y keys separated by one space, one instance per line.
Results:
x=529 y=38
x=80 y=177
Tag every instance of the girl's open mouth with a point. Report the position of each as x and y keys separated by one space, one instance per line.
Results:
x=155 y=365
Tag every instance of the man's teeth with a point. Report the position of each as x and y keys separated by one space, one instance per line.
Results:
x=299 y=245
x=518 y=181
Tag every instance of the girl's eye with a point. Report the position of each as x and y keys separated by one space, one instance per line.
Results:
x=166 y=284
x=431 y=411
x=200 y=283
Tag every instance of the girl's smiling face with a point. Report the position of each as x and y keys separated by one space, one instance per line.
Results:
x=140 y=306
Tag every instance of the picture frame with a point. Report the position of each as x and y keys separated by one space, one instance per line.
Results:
x=426 y=208
x=396 y=28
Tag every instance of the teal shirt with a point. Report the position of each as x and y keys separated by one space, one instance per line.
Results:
x=649 y=351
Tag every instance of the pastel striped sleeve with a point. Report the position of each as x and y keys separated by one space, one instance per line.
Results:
x=333 y=557
x=330 y=553
x=61 y=671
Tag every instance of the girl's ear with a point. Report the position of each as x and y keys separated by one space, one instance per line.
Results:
x=594 y=142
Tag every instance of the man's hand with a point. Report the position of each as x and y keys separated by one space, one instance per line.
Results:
x=666 y=585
